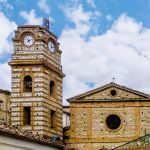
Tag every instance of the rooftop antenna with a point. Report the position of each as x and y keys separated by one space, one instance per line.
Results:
x=46 y=23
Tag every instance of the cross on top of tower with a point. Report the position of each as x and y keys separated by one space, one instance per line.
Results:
x=113 y=78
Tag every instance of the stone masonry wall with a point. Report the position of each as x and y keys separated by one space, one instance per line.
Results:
x=89 y=131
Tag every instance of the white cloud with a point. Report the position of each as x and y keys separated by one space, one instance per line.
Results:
x=91 y=3
x=82 y=20
x=31 y=18
x=44 y=6
x=109 y=18
x=123 y=51
x=6 y=30
x=76 y=15
x=5 y=4
x=5 y=76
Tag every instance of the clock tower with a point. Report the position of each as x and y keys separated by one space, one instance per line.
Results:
x=36 y=100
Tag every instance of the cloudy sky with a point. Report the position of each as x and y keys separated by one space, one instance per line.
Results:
x=99 y=39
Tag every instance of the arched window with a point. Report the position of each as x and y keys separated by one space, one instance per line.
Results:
x=27 y=84
x=52 y=88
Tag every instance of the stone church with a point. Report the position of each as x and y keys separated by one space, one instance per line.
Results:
x=32 y=115
x=109 y=116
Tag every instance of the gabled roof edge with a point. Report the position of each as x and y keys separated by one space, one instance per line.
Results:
x=106 y=86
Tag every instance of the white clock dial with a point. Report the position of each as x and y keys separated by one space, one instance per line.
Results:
x=28 y=40
x=51 y=46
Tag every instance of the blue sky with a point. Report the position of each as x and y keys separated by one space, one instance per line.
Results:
x=135 y=8
x=99 y=39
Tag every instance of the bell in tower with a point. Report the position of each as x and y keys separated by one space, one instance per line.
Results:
x=36 y=100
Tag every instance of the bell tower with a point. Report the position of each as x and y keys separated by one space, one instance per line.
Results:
x=36 y=100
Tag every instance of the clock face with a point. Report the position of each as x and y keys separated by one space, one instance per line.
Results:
x=51 y=46
x=28 y=40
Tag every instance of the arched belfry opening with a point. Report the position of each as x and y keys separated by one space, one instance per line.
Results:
x=52 y=88
x=27 y=84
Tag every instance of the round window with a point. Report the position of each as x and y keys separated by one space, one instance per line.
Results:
x=113 y=92
x=113 y=122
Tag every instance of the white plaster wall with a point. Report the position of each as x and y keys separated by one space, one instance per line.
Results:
x=66 y=120
x=4 y=146
x=10 y=143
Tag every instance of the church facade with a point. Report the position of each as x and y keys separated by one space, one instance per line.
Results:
x=107 y=117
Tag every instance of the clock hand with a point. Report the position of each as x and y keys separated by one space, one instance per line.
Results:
x=29 y=40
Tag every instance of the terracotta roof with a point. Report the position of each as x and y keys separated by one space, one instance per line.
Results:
x=112 y=84
x=5 y=91
x=15 y=132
